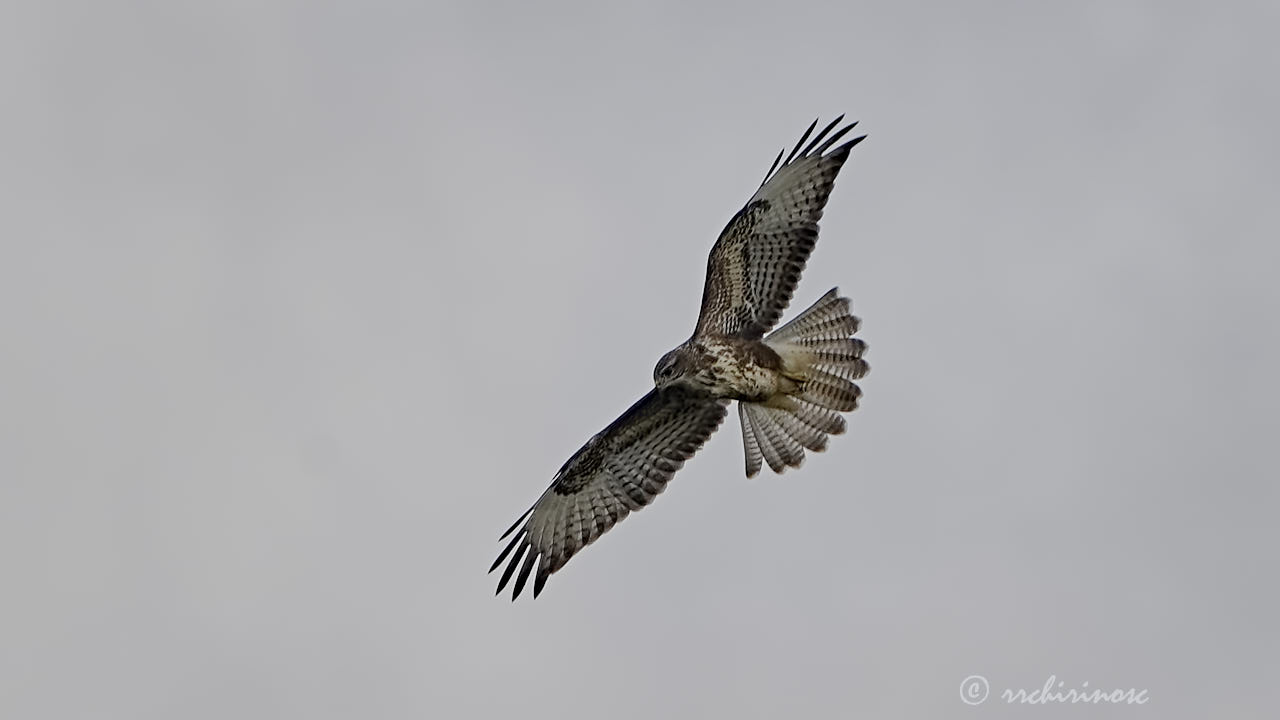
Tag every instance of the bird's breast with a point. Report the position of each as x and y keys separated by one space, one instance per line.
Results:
x=742 y=369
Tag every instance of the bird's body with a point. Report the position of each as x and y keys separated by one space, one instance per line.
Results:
x=729 y=368
x=791 y=384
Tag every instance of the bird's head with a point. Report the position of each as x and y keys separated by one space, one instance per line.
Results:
x=670 y=368
x=681 y=367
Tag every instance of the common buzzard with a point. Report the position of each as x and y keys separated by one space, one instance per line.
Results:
x=791 y=386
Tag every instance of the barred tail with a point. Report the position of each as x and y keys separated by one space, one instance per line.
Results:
x=822 y=358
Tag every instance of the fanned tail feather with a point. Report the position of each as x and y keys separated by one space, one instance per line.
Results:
x=822 y=357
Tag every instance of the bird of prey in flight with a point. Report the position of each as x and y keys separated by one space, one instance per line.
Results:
x=791 y=385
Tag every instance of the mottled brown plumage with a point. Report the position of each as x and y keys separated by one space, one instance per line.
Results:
x=791 y=386
x=756 y=263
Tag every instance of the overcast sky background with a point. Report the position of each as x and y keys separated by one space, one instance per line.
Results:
x=302 y=304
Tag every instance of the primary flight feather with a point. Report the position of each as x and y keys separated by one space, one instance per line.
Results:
x=791 y=386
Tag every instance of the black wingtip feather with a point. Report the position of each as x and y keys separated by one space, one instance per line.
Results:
x=523 y=577
x=835 y=138
x=818 y=138
x=841 y=153
x=511 y=568
x=800 y=143
x=505 y=552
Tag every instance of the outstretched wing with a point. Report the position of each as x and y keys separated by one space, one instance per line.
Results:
x=756 y=262
x=619 y=470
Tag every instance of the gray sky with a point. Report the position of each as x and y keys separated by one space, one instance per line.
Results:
x=304 y=303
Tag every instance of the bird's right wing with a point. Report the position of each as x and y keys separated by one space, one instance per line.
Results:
x=619 y=470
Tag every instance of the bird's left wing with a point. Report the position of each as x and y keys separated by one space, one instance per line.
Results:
x=619 y=470
x=757 y=260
